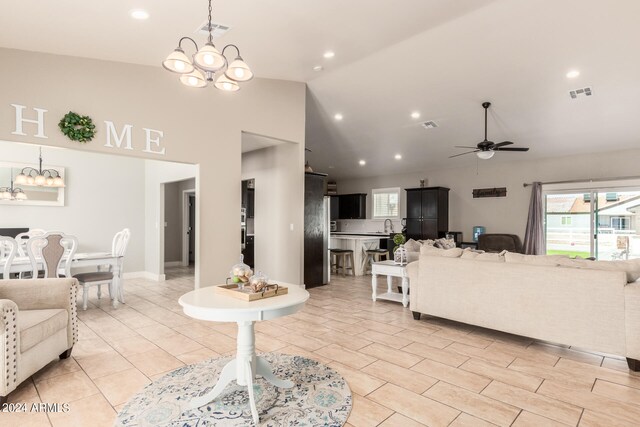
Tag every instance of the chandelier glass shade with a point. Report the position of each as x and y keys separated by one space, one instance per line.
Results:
x=208 y=65
x=39 y=177
x=11 y=192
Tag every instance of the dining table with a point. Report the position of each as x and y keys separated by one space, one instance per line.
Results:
x=22 y=264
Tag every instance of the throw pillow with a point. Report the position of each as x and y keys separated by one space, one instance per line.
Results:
x=427 y=242
x=433 y=251
x=543 y=260
x=445 y=243
x=412 y=245
x=630 y=267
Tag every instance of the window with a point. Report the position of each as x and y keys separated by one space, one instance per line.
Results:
x=386 y=203
x=566 y=220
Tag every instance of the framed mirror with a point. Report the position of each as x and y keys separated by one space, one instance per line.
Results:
x=31 y=184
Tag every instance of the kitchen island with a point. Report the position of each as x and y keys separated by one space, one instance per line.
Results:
x=359 y=244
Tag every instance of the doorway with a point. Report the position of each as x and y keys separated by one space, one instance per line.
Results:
x=190 y=253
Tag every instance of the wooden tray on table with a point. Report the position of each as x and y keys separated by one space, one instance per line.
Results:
x=271 y=290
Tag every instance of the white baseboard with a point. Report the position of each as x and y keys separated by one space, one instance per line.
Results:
x=173 y=264
x=144 y=275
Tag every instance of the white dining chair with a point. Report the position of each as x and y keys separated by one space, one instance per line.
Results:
x=8 y=251
x=55 y=250
x=99 y=278
x=23 y=238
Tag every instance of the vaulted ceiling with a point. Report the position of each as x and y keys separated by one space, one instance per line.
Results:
x=439 y=57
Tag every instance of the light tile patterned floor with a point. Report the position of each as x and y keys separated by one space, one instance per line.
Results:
x=402 y=372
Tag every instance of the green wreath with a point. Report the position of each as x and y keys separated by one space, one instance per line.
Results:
x=77 y=128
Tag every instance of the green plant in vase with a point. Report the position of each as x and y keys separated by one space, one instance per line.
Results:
x=398 y=239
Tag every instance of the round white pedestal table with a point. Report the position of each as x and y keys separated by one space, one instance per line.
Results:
x=207 y=304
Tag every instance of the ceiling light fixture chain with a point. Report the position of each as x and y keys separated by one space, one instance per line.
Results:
x=208 y=64
x=210 y=28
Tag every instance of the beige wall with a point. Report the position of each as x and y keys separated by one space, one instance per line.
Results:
x=499 y=215
x=279 y=217
x=201 y=126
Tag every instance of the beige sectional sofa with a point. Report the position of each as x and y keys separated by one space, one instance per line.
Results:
x=537 y=297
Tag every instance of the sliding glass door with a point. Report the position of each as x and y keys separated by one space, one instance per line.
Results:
x=603 y=224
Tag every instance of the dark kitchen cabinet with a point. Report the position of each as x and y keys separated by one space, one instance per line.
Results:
x=335 y=208
x=316 y=231
x=352 y=206
x=427 y=212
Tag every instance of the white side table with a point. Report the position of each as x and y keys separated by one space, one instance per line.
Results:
x=206 y=304
x=390 y=269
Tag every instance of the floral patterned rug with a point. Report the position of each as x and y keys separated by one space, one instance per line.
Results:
x=320 y=397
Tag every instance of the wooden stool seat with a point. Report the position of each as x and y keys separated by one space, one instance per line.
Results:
x=341 y=256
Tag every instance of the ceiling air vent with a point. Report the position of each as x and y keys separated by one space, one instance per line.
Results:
x=586 y=91
x=218 y=30
x=429 y=125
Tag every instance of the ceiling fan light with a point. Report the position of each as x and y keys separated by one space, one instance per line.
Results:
x=485 y=155
x=177 y=62
x=209 y=58
x=226 y=84
x=194 y=79
x=239 y=71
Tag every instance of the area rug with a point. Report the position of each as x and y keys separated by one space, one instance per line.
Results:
x=320 y=397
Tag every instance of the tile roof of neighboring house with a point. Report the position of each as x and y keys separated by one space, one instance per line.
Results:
x=576 y=204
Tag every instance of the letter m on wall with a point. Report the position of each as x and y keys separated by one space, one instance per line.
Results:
x=117 y=139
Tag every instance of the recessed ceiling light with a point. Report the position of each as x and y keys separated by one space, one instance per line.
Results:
x=318 y=68
x=573 y=74
x=398 y=156
x=139 y=14
x=415 y=115
x=338 y=117
x=329 y=54
x=362 y=162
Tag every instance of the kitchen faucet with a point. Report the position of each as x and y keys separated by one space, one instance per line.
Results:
x=390 y=226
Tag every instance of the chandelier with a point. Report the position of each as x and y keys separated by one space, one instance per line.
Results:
x=208 y=64
x=40 y=177
x=11 y=192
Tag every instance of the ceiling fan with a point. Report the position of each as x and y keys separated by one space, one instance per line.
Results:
x=486 y=149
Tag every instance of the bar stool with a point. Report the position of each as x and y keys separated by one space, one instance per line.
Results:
x=374 y=255
x=341 y=256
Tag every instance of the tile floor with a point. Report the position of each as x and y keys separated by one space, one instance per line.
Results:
x=402 y=372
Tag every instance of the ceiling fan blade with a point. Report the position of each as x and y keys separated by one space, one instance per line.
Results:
x=466 y=146
x=502 y=144
x=512 y=149
x=462 y=154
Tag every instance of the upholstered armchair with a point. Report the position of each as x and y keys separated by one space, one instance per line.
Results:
x=38 y=324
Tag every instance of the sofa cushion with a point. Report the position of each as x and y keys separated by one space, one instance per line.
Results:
x=630 y=267
x=433 y=251
x=546 y=260
x=412 y=245
x=469 y=253
x=37 y=325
